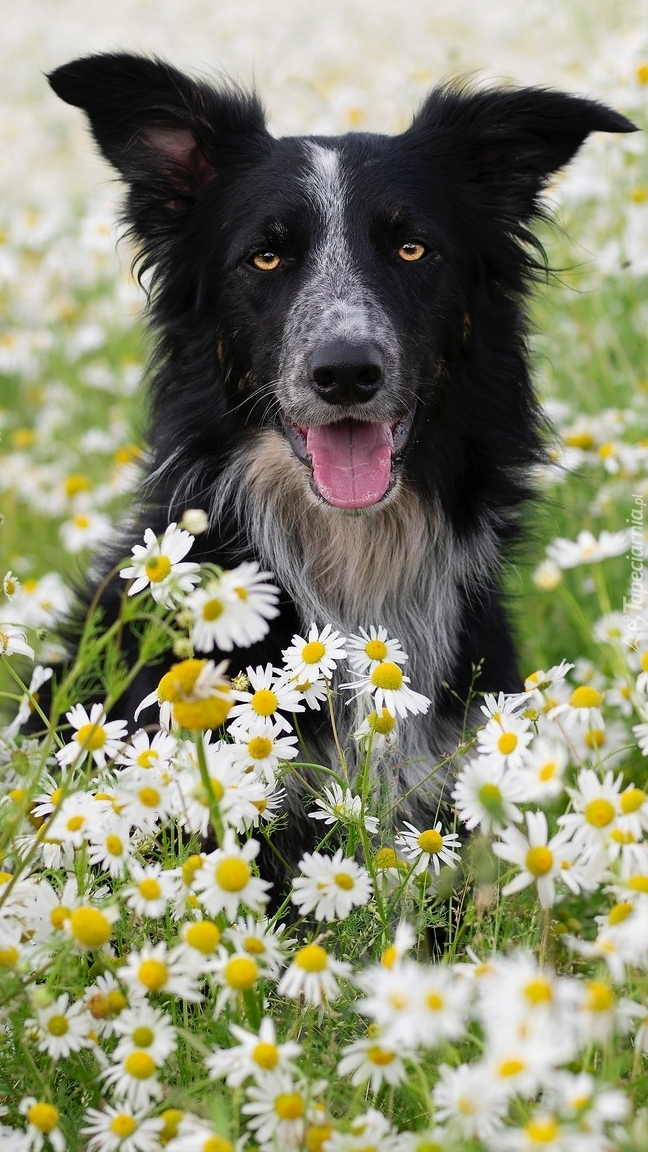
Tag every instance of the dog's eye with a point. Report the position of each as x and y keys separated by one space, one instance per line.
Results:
x=266 y=261
x=412 y=250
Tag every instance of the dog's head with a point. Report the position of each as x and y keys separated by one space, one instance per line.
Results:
x=339 y=287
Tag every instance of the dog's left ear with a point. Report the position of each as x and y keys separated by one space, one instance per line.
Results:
x=508 y=142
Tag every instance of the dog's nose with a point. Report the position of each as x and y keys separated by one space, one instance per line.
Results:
x=343 y=372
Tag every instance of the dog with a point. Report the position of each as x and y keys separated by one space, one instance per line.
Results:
x=340 y=376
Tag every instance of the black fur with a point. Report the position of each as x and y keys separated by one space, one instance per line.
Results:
x=208 y=187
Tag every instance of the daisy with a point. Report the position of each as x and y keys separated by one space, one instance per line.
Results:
x=110 y=846
x=146 y=1028
x=255 y=1055
x=262 y=748
x=155 y=969
x=121 y=1129
x=428 y=846
x=312 y=975
x=505 y=738
x=157 y=566
x=39 y=677
x=312 y=691
x=145 y=752
x=60 y=1029
x=256 y=937
x=318 y=655
x=42 y=1123
x=189 y=1134
x=583 y=708
x=86 y=529
x=372 y=1059
x=369 y=1131
x=95 y=735
x=587 y=549
x=486 y=793
x=238 y=793
x=596 y=805
x=225 y=879
x=390 y=690
x=144 y=799
x=277 y=1110
x=465 y=1097
x=542 y=777
x=381 y=727
x=538 y=858
x=270 y=694
x=151 y=890
x=370 y=648
x=13 y=642
x=233 y=610
x=338 y=806
x=330 y=886
x=235 y=974
x=133 y=1079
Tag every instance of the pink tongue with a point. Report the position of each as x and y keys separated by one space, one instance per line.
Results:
x=351 y=461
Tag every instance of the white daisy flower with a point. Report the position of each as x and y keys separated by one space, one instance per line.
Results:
x=374 y=1060
x=390 y=690
x=42 y=1123
x=587 y=549
x=381 y=727
x=316 y=656
x=95 y=735
x=256 y=1054
x=330 y=886
x=583 y=707
x=121 y=1129
x=539 y=858
x=313 y=974
x=464 y=1096
x=61 y=1028
x=372 y=647
x=225 y=879
x=233 y=609
x=341 y=806
x=270 y=694
x=277 y=1111
x=542 y=777
x=86 y=529
x=597 y=807
x=312 y=691
x=256 y=936
x=145 y=1028
x=428 y=847
x=263 y=748
x=157 y=565
x=486 y=794
x=144 y=751
x=144 y=799
x=152 y=889
x=505 y=739
x=371 y=1130
x=134 y=1079
x=39 y=677
x=13 y=642
x=155 y=969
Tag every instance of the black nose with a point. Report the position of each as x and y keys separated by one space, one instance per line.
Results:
x=343 y=372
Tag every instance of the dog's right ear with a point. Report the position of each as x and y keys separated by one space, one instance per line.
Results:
x=163 y=131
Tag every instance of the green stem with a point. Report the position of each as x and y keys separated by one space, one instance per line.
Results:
x=214 y=811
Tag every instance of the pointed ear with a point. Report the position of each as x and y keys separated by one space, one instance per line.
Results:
x=508 y=142
x=160 y=129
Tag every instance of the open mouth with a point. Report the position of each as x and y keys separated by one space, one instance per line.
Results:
x=352 y=462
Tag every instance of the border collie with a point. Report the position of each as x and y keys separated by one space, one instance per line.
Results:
x=340 y=375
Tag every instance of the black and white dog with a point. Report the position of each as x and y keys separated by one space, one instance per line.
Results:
x=340 y=374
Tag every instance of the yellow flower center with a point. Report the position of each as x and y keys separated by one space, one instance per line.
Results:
x=178 y=682
x=317 y=1136
x=289 y=1106
x=149 y=797
x=198 y=715
x=241 y=973
x=265 y=1055
x=344 y=881
x=599 y=813
x=644 y=661
x=17 y=795
x=386 y=858
x=642 y=73
x=381 y=1057
x=431 y=841
x=312 y=958
x=114 y=845
x=81 y=521
x=542 y=1130
x=313 y=652
x=139 y=1065
x=548 y=771
x=538 y=991
x=376 y=649
x=595 y=738
x=190 y=867
x=91 y=737
x=435 y=1002
x=387 y=676
x=58 y=1025
x=585 y=697
x=507 y=743
x=383 y=724
x=600 y=997
x=539 y=860
x=58 y=915
x=149 y=889
x=43 y=1116
x=232 y=874
x=153 y=974
x=264 y=702
x=74 y=823
x=143 y=1037
x=90 y=927
x=74 y=483
x=204 y=936
x=9 y=957
x=389 y=957
x=632 y=800
x=122 y=1125
x=171 y=1117
x=638 y=883
x=490 y=797
x=507 y=1068
x=259 y=747
x=147 y=758
x=212 y=609
x=157 y=568
x=620 y=912
x=217 y=1144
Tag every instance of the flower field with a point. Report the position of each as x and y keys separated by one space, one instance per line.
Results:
x=473 y=986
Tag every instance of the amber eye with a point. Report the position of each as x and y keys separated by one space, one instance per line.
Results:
x=412 y=250
x=266 y=261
